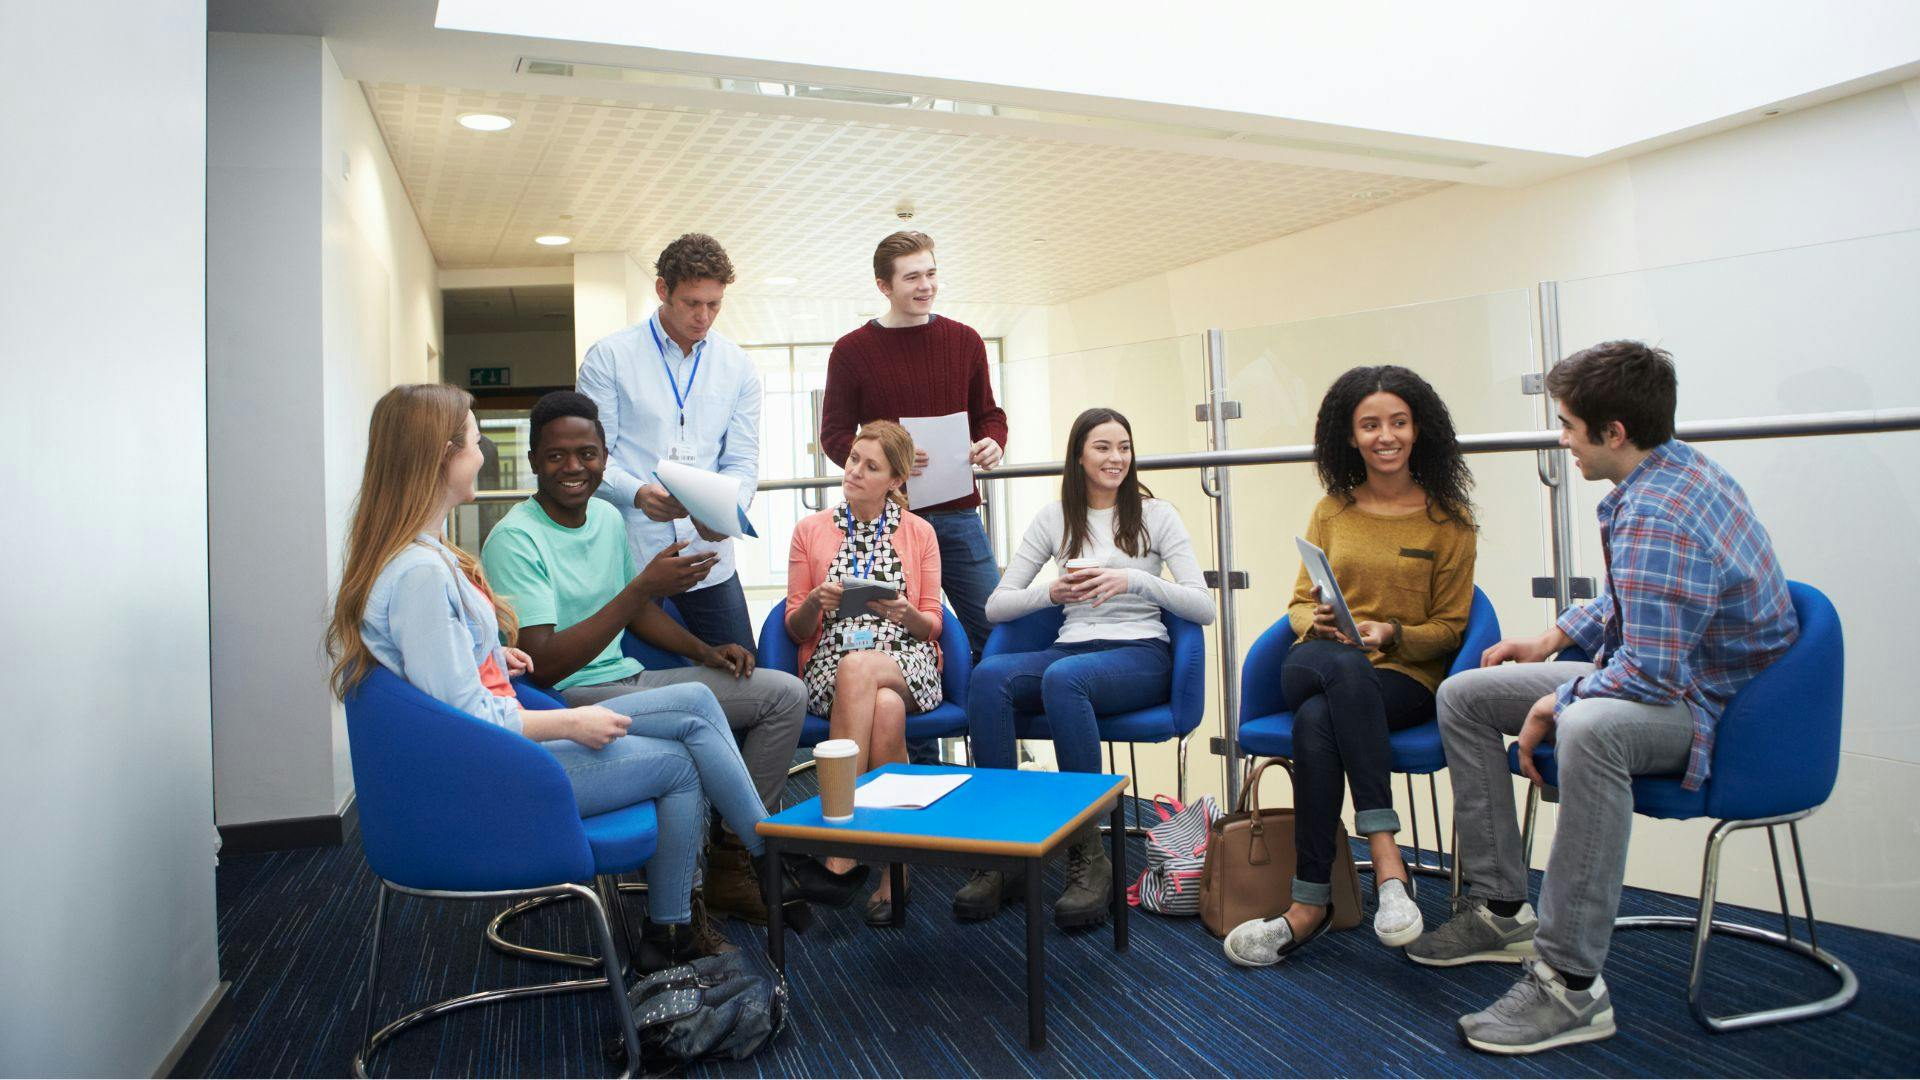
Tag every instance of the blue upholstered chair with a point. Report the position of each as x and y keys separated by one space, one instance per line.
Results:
x=1175 y=719
x=452 y=807
x=1776 y=754
x=949 y=718
x=1266 y=720
x=655 y=659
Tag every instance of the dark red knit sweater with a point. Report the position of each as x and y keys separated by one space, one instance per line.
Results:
x=881 y=373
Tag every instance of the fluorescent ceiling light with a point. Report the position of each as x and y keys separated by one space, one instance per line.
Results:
x=480 y=121
x=553 y=240
x=1557 y=78
x=783 y=281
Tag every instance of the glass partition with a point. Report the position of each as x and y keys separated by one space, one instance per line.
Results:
x=1473 y=351
x=1827 y=328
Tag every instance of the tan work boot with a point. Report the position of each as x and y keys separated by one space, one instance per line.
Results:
x=732 y=887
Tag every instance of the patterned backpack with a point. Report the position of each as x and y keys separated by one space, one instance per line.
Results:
x=1176 y=857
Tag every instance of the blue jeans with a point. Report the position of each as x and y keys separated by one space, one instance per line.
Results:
x=968 y=573
x=1070 y=683
x=717 y=614
x=680 y=753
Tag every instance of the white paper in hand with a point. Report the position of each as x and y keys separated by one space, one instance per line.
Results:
x=948 y=442
x=906 y=791
x=712 y=499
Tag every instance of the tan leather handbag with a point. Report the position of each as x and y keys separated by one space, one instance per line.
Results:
x=1249 y=870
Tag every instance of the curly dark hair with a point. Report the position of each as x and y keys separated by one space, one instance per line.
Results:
x=1435 y=464
x=559 y=404
x=691 y=258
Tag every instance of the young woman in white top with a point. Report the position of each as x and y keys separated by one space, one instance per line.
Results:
x=1112 y=654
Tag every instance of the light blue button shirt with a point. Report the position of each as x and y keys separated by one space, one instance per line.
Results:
x=429 y=625
x=624 y=376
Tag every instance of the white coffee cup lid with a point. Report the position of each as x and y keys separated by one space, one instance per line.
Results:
x=836 y=748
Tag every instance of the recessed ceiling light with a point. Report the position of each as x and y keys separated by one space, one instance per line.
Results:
x=553 y=240
x=480 y=121
x=1039 y=239
x=783 y=280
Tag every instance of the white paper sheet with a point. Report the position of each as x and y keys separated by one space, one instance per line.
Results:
x=948 y=441
x=906 y=791
x=712 y=499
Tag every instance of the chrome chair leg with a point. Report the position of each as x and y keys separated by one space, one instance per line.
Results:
x=1704 y=926
x=496 y=929
x=611 y=979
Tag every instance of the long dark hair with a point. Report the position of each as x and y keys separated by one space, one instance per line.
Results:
x=1129 y=525
x=1435 y=463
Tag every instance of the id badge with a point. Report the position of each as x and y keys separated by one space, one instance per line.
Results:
x=860 y=638
x=682 y=452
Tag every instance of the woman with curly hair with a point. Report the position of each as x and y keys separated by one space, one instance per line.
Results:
x=1398 y=528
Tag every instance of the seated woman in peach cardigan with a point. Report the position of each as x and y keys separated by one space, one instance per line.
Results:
x=866 y=670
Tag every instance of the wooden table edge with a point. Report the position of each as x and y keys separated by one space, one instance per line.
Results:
x=842 y=835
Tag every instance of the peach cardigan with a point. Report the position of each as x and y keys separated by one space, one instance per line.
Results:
x=817 y=539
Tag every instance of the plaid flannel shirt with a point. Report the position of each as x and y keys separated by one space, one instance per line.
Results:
x=1695 y=603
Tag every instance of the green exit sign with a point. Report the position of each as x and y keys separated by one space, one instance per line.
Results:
x=490 y=376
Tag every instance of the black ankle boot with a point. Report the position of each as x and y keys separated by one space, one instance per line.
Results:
x=808 y=879
x=795 y=912
x=665 y=945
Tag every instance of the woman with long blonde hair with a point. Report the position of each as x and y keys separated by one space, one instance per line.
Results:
x=420 y=607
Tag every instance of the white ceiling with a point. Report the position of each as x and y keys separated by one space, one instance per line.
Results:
x=1019 y=220
x=1572 y=79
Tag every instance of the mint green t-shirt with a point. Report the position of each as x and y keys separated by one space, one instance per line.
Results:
x=553 y=575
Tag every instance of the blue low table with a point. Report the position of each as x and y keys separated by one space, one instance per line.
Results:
x=1001 y=819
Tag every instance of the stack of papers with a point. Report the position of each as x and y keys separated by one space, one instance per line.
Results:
x=906 y=791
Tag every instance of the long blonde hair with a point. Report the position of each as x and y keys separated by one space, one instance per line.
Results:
x=416 y=430
x=896 y=445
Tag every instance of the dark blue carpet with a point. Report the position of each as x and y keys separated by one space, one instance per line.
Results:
x=940 y=999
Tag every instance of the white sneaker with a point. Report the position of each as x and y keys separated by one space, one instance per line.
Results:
x=1396 y=919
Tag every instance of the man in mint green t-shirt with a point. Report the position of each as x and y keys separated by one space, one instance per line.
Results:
x=562 y=560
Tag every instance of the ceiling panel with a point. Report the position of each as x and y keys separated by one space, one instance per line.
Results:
x=1020 y=220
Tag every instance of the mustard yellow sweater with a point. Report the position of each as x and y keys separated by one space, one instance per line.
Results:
x=1402 y=566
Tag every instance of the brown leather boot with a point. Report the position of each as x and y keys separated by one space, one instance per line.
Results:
x=706 y=932
x=732 y=887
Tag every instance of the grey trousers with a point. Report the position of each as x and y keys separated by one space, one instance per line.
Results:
x=765 y=711
x=1601 y=744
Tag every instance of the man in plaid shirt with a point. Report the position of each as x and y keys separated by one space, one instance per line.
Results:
x=1695 y=606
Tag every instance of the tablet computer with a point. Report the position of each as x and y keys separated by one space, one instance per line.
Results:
x=861 y=590
x=1320 y=572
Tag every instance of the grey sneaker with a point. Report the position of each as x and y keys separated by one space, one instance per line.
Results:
x=1540 y=1013
x=1476 y=935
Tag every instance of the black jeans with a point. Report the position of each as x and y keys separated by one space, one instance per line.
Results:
x=1343 y=709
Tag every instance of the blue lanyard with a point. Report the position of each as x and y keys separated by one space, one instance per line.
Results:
x=863 y=567
x=679 y=397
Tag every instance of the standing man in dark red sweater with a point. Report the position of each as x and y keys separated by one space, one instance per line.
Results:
x=911 y=362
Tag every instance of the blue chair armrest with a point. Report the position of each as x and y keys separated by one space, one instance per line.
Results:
x=655 y=659
x=776 y=651
x=1031 y=632
x=448 y=801
x=1189 y=698
x=1260 y=693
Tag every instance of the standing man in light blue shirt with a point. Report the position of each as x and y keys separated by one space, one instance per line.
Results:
x=669 y=388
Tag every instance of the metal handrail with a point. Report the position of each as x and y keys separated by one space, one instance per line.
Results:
x=1855 y=422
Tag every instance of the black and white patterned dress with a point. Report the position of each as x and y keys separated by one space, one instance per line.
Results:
x=841 y=631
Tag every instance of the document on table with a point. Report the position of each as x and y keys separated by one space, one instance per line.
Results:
x=948 y=442
x=906 y=791
x=712 y=499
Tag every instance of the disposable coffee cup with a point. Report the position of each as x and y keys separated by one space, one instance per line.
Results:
x=1075 y=565
x=833 y=763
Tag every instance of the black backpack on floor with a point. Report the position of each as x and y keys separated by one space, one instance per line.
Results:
x=711 y=1007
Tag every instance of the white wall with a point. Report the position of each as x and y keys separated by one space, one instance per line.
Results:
x=611 y=291
x=110 y=940
x=1803 y=331
x=322 y=290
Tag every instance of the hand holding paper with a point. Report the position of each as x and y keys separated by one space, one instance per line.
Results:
x=948 y=443
x=712 y=500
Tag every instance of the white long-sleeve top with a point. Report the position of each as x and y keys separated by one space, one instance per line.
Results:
x=1132 y=615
